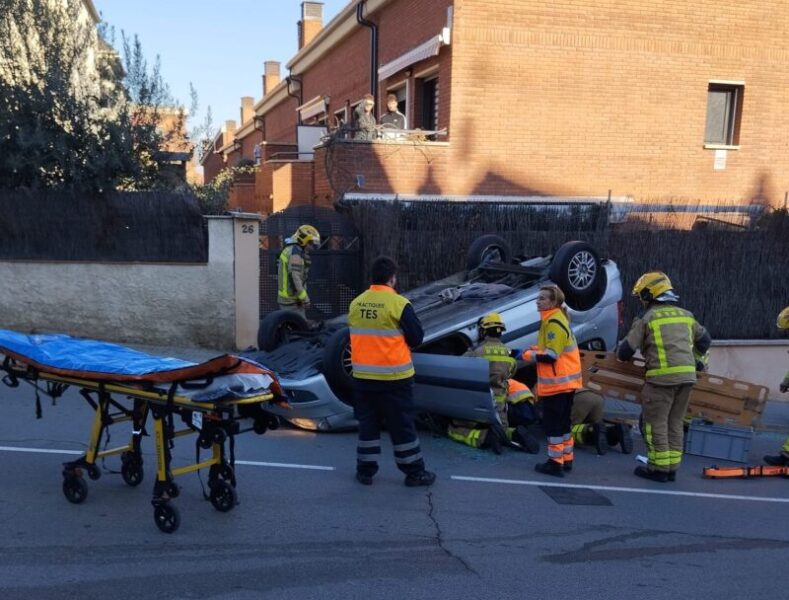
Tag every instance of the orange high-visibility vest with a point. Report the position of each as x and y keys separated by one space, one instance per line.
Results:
x=518 y=392
x=557 y=339
x=378 y=348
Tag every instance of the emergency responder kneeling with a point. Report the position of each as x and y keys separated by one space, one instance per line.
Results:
x=293 y=268
x=384 y=326
x=782 y=459
x=667 y=336
x=507 y=394
x=588 y=426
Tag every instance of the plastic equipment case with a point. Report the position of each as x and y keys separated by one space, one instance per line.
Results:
x=727 y=442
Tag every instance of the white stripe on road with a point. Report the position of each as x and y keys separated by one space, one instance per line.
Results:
x=238 y=462
x=284 y=465
x=611 y=488
x=39 y=450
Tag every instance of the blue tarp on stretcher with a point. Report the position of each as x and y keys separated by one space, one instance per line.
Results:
x=101 y=361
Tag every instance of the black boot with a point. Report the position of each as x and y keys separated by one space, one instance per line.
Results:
x=778 y=460
x=599 y=438
x=492 y=442
x=526 y=440
x=620 y=434
x=421 y=478
x=550 y=467
x=659 y=476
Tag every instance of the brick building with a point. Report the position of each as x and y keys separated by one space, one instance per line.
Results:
x=670 y=100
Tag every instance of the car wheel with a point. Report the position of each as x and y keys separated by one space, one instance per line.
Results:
x=488 y=249
x=576 y=268
x=277 y=327
x=337 y=364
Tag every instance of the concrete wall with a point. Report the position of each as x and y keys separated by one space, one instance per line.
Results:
x=764 y=362
x=213 y=305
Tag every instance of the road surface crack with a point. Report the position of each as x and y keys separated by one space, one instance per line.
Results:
x=439 y=537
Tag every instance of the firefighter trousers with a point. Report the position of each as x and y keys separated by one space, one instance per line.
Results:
x=664 y=408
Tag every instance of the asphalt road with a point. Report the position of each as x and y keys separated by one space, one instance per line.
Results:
x=489 y=528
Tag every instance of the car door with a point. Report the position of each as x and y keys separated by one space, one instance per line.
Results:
x=453 y=386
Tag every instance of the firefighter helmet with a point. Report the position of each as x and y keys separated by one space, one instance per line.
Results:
x=783 y=319
x=652 y=285
x=491 y=321
x=307 y=234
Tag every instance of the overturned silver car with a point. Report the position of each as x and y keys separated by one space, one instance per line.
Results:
x=314 y=366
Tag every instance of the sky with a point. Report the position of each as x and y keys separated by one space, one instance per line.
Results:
x=218 y=46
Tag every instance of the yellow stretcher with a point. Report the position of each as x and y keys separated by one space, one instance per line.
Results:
x=215 y=422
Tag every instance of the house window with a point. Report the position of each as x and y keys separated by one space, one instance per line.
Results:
x=724 y=111
x=427 y=100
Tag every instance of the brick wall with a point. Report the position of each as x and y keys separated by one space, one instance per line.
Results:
x=579 y=98
x=280 y=184
x=344 y=74
x=211 y=166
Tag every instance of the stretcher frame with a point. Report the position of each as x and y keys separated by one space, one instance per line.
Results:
x=217 y=424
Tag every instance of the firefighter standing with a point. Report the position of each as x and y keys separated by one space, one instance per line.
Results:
x=667 y=336
x=558 y=376
x=506 y=392
x=383 y=325
x=293 y=266
x=782 y=459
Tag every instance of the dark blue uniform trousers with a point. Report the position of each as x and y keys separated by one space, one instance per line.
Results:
x=390 y=404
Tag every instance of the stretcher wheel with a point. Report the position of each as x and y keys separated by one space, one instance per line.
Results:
x=166 y=517
x=223 y=496
x=75 y=489
x=93 y=472
x=132 y=472
x=173 y=490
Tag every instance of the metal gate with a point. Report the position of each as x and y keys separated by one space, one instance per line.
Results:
x=336 y=274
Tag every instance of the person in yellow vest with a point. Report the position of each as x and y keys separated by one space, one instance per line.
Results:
x=506 y=392
x=558 y=377
x=293 y=267
x=383 y=327
x=667 y=336
x=782 y=459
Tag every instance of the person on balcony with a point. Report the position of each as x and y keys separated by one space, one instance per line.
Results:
x=364 y=119
x=393 y=119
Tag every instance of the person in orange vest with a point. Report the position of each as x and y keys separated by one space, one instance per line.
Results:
x=558 y=376
x=383 y=327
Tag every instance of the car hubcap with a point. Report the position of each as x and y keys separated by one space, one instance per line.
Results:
x=582 y=270
x=492 y=254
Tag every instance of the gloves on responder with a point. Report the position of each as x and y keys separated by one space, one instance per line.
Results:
x=784 y=387
x=530 y=355
x=700 y=366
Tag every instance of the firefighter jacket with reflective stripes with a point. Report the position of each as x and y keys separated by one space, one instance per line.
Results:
x=519 y=392
x=667 y=336
x=502 y=365
x=293 y=267
x=379 y=350
x=556 y=354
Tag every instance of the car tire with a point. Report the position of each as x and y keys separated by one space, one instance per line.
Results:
x=337 y=364
x=576 y=268
x=488 y=248
x=276 y=326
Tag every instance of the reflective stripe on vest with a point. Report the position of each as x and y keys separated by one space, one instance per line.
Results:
x=518 y=392
x=564 y=374
x=664 y=369
x=378 y=347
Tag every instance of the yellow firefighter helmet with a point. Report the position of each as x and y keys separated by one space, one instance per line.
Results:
x=491 y=321
x=307 y=234
x=651 y=285
x=783 y=319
